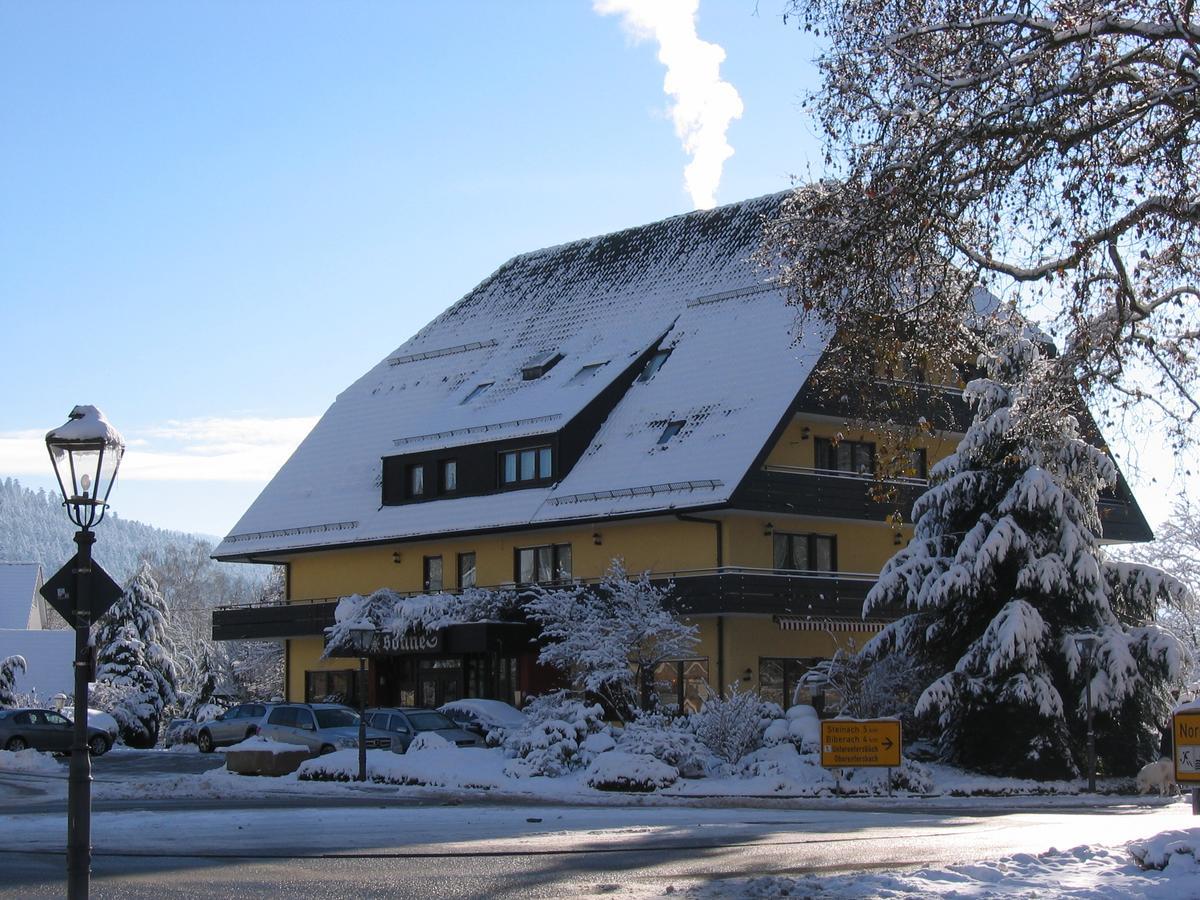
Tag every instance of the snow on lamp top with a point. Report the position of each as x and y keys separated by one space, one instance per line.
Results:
x=86 y=452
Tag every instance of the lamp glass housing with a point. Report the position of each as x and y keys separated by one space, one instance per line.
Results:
x=86 y=468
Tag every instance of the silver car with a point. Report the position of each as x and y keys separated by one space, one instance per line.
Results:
x=406 y=722
x=45 y=729
x=231 y=727
x=322 y=727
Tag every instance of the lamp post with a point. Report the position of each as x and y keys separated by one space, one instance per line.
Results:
x=86 y=452
x=361 y=635
x=1085 y=644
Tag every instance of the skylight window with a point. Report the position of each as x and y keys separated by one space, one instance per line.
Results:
x=672 y=429
x=540 y=365
x=654 y=364
x=477 y=390
x=587 y=372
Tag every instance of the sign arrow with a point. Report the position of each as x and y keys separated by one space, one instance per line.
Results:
x=887 y=744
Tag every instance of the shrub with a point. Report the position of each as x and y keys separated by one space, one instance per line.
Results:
x=635 y=772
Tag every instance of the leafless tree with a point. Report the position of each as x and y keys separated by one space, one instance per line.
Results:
x=1047 y=150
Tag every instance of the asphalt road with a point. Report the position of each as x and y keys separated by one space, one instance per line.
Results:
x=376 y=844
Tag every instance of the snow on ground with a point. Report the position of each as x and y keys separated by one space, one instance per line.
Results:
x=1084 y=872
x=30 y=761
x=265 y=745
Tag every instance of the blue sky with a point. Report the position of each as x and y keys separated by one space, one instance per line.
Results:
x=229 y=211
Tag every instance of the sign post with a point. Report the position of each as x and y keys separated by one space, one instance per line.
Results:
x=1185 y=742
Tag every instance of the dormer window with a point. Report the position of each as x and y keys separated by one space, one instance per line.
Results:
x=416 y=481
x=587 y=372
x=540 y=365
x=654 y=364
x=672 y=429
x=477 y=390
x=530 y=464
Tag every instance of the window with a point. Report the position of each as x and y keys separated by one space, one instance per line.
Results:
x=654 y=364
x=918 y=465
x=415 y=479
x=449 y=475
x=539 y=565
x=682 y=684
x=466 y=570
x=540 y=365
x=844 y=456
x=805 y=552
x=587 y=372
x=779 y=682
x=476 y=391
x=670 y=431
x=433 y=574
x=532 y=464
x=324 y=687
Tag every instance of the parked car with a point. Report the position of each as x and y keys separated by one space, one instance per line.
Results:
x=231 y=727
x=322 y=727
x=45 y=729
x=484 y=717
x=407 y=722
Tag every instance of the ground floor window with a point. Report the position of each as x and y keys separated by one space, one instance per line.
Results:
x=779 y=682
x=432 y=681
x=336 y=686
x=682 y=684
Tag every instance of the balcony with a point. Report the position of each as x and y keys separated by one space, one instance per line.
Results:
x=729 y=590
x=827 y=494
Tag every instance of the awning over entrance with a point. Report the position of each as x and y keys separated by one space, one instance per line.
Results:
x=827 y=623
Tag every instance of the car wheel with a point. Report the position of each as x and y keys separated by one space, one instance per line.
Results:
x=326 y=749
x=98 y=745
x=17 y=744
x=251 y=732
x=205 y=742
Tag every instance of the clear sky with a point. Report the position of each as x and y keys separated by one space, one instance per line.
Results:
x=216 y=215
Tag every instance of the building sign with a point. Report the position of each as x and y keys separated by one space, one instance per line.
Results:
x=1185 y=732
x=387 y=644
x=857 y=743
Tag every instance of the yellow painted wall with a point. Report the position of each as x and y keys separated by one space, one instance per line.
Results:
x=304 y=655
x=794 y=449
x=861 y=546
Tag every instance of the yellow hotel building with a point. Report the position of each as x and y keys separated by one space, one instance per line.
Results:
x=642 y=395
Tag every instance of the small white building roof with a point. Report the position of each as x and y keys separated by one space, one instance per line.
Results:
x=689 y=282
x=19 y=602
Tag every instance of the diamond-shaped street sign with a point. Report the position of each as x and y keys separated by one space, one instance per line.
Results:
x=102 y=593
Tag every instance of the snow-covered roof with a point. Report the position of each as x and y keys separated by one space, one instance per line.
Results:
x=688 y=281
x=19 y=584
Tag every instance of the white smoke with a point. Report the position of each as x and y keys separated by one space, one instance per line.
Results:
x=704 y=105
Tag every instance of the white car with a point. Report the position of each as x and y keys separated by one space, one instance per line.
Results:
x=483 y=717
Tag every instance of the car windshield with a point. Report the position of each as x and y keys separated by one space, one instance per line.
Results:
x=336 y=718
x=429 y=721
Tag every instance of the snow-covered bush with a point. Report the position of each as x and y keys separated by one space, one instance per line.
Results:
x=620 y=771
x=1005 y=570
x=800 y=726
x=610 y=637
x=667 y=740
x=428 y=740
x=555 y=738
x=731 y=726
x=9 y=666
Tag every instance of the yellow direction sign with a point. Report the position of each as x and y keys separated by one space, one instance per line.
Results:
x=1185 y=733
x=856 y=743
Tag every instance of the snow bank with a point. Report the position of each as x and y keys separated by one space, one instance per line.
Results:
x=264 y=745
x=27 y=761
x=1160 y=851
x=618 y=771
x=1084 y=872
x=445 y=766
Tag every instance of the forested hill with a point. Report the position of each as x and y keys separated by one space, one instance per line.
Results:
x=35 y=528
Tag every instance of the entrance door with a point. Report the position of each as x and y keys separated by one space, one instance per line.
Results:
x=440 y=681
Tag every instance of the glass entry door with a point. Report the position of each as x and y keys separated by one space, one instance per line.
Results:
x=439 y=681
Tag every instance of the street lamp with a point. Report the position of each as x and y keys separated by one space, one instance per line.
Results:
x=362 y=634
x=1086 y=644
x=86 y=452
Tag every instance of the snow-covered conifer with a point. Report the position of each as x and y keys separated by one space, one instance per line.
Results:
x=134 y=655
x=9 y=666
x=1005 y=570
x=610 y=637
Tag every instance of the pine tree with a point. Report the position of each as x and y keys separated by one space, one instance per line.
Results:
x=135 y=656
x=9 y=666
x=1005 y=570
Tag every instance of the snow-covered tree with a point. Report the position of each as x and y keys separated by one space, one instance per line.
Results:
x=134 y=655
x=610 y=637
x=1045 y=146
x=9 y=666
x=1003 y=573
x=730 y=726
